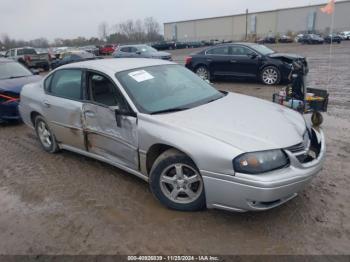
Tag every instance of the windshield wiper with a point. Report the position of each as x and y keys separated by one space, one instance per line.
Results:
x=171 y=110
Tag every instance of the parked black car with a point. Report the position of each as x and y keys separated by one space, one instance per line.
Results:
x=140 y=51
x=163 y=45
x=334 y=38
x=243 y=60
x=285 y=39
x=267 y=40
x=73 y=57
x=311 y=39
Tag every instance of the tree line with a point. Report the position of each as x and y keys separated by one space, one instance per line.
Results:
x=130 y=31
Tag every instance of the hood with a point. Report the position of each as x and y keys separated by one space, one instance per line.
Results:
x=15 y=85
x=247 y=123
x=286 y=55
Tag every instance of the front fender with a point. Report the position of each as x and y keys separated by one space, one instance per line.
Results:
x=206 y=152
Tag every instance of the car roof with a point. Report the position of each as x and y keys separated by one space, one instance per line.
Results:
x=136 y=45
x=115 y=65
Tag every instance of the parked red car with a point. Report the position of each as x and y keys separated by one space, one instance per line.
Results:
x=107 y=49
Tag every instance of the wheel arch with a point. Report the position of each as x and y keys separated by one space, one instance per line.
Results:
x=156 y=150
x=33 y=116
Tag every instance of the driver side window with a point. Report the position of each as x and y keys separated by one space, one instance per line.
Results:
x=102 y=90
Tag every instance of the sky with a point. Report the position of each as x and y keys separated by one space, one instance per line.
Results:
x=29 y=19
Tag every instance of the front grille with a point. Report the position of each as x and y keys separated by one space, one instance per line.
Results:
x=308 y=150
x=297 y=148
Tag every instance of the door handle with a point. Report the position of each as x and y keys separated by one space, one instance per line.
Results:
x=46 y=104
x=89 y=113
x=209 y=59
x=233 y=61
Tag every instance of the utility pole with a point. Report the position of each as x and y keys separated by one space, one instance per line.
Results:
x=246 y=24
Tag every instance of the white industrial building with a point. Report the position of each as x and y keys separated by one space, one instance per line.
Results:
x=260 y=24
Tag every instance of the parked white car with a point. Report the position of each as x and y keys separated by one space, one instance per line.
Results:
x=345 y=35
x=196 y=146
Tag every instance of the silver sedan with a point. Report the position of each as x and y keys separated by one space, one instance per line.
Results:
x=196 y=146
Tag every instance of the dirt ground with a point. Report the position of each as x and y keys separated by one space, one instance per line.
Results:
x=70 y=204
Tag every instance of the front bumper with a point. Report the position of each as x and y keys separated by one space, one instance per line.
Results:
x=243 y=192
x=9 y=112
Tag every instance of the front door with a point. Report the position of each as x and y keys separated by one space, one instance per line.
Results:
x=243 y=63
x=118 y=143
x=63 y=106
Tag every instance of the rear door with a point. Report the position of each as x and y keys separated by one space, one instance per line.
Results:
x=118 y=143
x=218 y=60
x=63 y=106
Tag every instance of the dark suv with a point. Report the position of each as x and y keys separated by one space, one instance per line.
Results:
x=243 y=60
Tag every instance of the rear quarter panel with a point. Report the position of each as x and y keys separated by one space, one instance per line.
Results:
x=31 y=99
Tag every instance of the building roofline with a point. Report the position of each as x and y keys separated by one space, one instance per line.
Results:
x=253 y=13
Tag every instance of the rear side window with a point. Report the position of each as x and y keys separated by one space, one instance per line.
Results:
x=67 y=84
x=125 y=49
x=223 y=50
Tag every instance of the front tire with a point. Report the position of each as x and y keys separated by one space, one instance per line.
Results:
x=270 y=75
x=46 y=137
x=176 y=182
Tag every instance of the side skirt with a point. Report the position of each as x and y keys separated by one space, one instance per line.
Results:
x=100 y=158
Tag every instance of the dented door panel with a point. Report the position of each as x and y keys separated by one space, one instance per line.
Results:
x=65 y=117
x=105 y=138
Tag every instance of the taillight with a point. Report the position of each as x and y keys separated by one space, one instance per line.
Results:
x=27 y=58
x=188 y=60
x=5 y=98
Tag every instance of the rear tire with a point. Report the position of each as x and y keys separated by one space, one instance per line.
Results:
x=176 y=182
x=203 y=72
x=46 y=137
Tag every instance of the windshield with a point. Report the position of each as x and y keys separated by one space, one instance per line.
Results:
x=13 y=70
x=264 y=50
x=166 y=87
x=147 y=49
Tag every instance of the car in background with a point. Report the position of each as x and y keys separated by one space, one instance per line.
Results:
x=333 y=38
x=47 y=51
x=2 y=53
x=162 y=123
x=73 y=57
x=345 y=35
x=107 y=49
x=267 y=40
x=181 y=45
x=140 y=51
x=91 y=49
x=285 y=39
x=29 y=57
x=13 y=76
x=164 y=45
x=243 y=60
x=298 y=38
x=311 y=39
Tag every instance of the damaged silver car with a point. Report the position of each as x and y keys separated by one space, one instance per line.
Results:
x=196 y=146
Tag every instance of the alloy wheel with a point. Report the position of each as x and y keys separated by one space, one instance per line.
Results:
x=181 y=183
x=44 y=134
x=270 y=76
x=203 y=73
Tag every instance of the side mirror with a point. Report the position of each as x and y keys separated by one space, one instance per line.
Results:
x=121 y=112
x=253 y=55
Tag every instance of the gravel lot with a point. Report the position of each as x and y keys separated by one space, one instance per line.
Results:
x=69 y=204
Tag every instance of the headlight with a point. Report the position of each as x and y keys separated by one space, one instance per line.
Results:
x=260 y=162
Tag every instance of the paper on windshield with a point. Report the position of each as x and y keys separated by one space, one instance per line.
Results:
x=141 y=75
